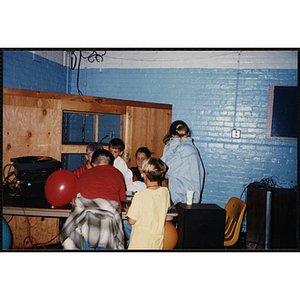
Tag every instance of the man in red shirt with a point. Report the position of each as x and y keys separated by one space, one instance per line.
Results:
x=90 y=149
x=103 y=180
x=95 y=221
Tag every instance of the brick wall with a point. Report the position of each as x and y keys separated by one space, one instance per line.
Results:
x=26 y=70
x=206 y=99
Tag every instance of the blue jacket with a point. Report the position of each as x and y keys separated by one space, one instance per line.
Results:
x=186 y=172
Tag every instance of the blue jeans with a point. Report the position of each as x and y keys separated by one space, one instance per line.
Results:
x=85 y=246
x=127 y=230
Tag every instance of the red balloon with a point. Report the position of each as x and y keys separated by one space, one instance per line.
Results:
x=59 y=187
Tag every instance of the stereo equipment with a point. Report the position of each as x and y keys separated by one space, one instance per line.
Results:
x=271 y=218
x=33 y=172
x=200 y=226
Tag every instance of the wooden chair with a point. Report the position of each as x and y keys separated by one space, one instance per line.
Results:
x=235 y=210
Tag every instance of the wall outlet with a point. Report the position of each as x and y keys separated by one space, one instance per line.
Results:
x=235 y=133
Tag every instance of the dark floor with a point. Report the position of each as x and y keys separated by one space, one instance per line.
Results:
x=240 y=244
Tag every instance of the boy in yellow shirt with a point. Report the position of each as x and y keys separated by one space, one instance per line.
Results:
x=148 y=210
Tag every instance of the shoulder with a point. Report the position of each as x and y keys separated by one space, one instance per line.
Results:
x=134 y=169
x=141 y=194
x=112 y=169
x=188 y=145
x=164 y=190
x=80 y=169
x=119 y=161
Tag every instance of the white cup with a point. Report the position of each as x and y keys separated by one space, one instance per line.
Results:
x=189 y=197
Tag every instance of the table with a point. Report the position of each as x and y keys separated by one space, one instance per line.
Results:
x=42 y=209
x=39 y=217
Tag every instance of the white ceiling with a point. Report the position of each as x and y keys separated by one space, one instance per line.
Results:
x=181 y=59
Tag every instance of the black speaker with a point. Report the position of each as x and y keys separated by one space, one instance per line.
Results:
x=271 y=219
x=200 y=226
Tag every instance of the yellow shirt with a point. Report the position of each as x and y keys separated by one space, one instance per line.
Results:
x=149 y=209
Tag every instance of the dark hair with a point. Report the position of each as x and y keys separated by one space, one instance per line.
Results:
x=179 y=128
x=103 y=156
x=117 y=143
x=154 y=168
x=93 y=146
x=143 y=150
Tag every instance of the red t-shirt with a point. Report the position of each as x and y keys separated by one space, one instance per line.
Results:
x=102 y=182
x=78 y=172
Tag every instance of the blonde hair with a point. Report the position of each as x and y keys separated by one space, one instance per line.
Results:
x=154 y=168
x=182 y=130
x=179 y=128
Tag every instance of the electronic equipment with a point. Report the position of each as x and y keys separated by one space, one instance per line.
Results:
x=200 y=226
x=271 y=219
x=33 y=172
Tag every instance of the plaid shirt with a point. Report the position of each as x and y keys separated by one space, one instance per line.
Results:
x=99 y=221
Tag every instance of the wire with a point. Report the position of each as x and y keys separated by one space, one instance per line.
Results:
x=36 y=244
x=262 y=184
x=172 y=60
x=237 y=88
x=91 y=58
x=12 y=181
x=15 y=185
x=10 y=219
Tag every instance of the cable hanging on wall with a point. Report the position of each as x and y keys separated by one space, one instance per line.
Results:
x=236 y=133
x=92 y=57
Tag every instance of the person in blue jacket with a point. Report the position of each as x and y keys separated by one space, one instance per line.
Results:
x=186 y=171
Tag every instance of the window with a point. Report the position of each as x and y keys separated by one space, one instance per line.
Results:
x=282 y=112
x=79 y=129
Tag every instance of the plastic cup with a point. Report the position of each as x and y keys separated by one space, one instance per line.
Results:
x=189 y=197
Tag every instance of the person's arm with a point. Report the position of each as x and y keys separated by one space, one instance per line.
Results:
x=76 y=191
x=131 y=221
x=127 y=173
x=134 y=211
x=122 y=191
x=172 y=158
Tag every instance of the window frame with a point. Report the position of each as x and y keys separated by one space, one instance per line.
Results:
x=270 y=112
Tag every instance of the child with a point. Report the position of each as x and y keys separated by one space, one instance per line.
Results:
x=116 y=148
x=149 y=208
x=95 y=221
x=185 y=167
x=141 y=154
x=90 y=149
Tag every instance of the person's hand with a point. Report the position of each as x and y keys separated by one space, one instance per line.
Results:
x=126 y=207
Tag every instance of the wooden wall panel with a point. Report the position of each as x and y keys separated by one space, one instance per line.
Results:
x=31 y=131
x=44 y=103
x=145 y=127
x=41 y=229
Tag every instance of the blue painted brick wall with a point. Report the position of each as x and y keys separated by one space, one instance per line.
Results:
x=25 y=70
x=206 y=100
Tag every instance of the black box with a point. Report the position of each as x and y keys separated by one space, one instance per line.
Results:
x=200 y=226
x=33 y=172
x=271 y=219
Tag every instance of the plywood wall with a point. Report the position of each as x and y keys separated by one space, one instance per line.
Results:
x=31 y=127
x=32 y=123
x=149 y=126
x=39 y=230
